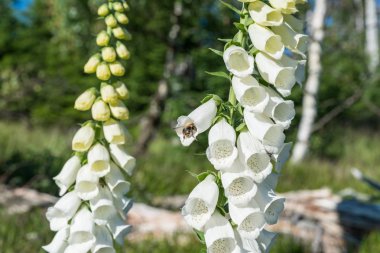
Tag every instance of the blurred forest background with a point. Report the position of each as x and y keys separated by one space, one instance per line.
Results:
x=45 y=43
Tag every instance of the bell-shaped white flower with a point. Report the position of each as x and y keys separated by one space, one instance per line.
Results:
x=250 y=219
x=81 y=238
x=85 y=100
x=63 y=211
x=246 y=245
x=200 y=206
x=102 y=206
x=99 y=160
x=282 y=156
x=286 y=6
x=282 y=77
x=295 y=23
x=116 y=183
x=118 y=228
x=83 y=139
x=265 y=40
x=266 y=240
x=222 y=151
x=123 y=204
x=59 y=242
x=238 y=61
x=239 y=187
x=68 y=174
x=104 y=242
x=122 y=159
x=197 y=122
x=250 y=94
x=271 y=204
x=100 y=111
x=253 y=154
x=299 y=67
x=291 y=39
x=87 y=183
x=264 y=15
x=281 y=111
x=271 y=135
x=114 y=132
x=219 y=235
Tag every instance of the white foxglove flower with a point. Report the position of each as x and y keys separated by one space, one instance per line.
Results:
x=250 y=94
x=100 y=111
x=83 y=139
x=238 y=61
x=197 y=122
x=99 y=160
x=114 y=132
x=87 y=183
x=59 y=242
x=246 y=245
x=108 y=93
x=295 y=23
x=119 y=110
x=282 y=77
x=102 y=206
x=250 y=219
x=92 y=64
x=286 y=6
x=118 y=228
x=116 y=183
x=290 y=38
x=299 y=67
x=104 y=242
x=81 y=238
x=219 y=235
x=123 y=204
x=282 y=156
x=63 y=211
x=266 y=240
x=253 y=154
x=239 y=187
x=271 y=135
x=85 y=100
x=121 y=158
x=68 y=174
x=222 y=151
x=264 y=15
x=265 y=40
x=281 y=111
x=200 y=206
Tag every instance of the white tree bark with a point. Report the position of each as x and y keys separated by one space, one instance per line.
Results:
x=309 y=103
x=372 y=41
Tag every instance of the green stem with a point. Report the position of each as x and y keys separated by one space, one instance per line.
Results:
x=232 y=97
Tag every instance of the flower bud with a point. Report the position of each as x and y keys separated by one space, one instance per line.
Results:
x=122 y=51
x=117 y=6
x=92 y=64
x=119 y=110
x=122 y=18
x=110 y=21
x=108 y=93
x=113 y=132
x=103 y=10
x=103 y=72
x=83 y=139
x=100 y=111
x=108 y=54
x=121 y=90
x=103 y=39
x=117 y=69
x=121 y=33
x=85 y=100
x=125 y=5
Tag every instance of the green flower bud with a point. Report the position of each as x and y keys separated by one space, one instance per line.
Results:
x=92 y=64
x=121 y=90
x=103 y=39
x=117 y=6
x=108 y=93
x=103 y=10
x=122 y=18
x=122 y=51
x=117 y=69
x=85 y=100
x=103 y=72
x=100 y=111
x=119 y=110
x=125 y=5
x=121 y=34
x=111 y=21
x=108 y=54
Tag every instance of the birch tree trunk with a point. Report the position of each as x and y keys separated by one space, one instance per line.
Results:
x=309 y=104
x=372 y=42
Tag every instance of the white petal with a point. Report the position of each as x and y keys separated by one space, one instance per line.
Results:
x=222 y=131
x=83 y=139
x=102 y=206
x=116 y=182
x=121 y=158
x=264 y=15
x=250 y=94
x=118 y=228
x=283 y=156
x=301 y=72
x=296 y=24
x=291 y=38
x=271 y=204
x=236 y=167
x=204 y=115
x=68 y=174
x=59 y=242
x=123 y=204
x=99 y=160
x=265 y=40
x=286 y=6
x=219 y=235
x=114 y=132
x=200 y=206
x=246 y=245
x=104 y=242
x=238 y=61
x=81 y=232
x=87 y=183
x=266 y=240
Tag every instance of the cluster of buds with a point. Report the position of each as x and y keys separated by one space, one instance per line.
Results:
x=91 y=213
x=232 y=205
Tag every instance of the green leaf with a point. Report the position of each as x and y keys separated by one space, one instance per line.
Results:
x=231 y=7
x=202 y=176
x=217 y=52
x=240 y=26
x=207 y=98
x=192 y=173
x=201 y=236
x=225 y=40
x=241 y=127
x=220 y=74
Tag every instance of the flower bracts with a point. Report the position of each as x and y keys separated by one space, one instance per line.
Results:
x=90 y=215
x=230 y=207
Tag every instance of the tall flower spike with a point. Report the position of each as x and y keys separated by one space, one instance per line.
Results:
x=93 y=182
x=232 y=210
